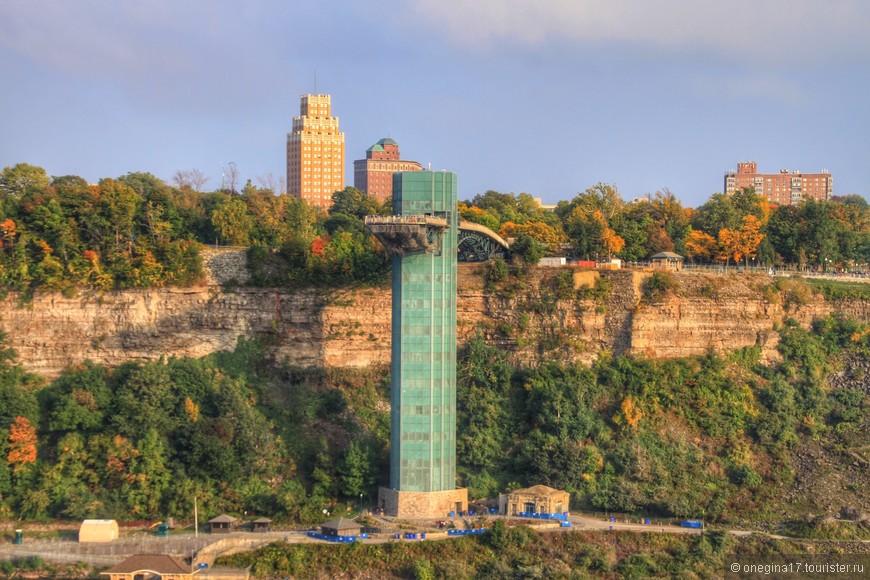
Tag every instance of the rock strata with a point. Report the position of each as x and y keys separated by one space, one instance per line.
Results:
x=351 y=328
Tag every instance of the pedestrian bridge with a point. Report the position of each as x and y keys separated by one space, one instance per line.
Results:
x=475 y=243
x=478 y=243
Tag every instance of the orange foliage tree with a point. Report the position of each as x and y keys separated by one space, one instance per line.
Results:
x=611 y=242
x=750 y=237
x=540 y=231
x=22 y=443
x=701 y=245
x=631 y=412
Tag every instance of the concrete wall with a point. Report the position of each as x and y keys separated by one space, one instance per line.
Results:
x=422 y=504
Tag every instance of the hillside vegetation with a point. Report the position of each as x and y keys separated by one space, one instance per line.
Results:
x=721 y=438
x=523 y=553
x=62 y=233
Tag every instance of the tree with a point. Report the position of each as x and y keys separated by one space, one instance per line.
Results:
x=232 y=222
x=540 y=231
x=729 y=245
x=584 y=229
x=528 y=250
x=611 y=242
x=22 y=178
x=270 y=183
x=750 y=237
x=145 y=398
x=230 y=178
x=78 y=400
x=602 y=197
x=700 y=246
x=717 y=214
x=193 y=179
x=355 y=472
x=116 y=205
x=22 y=443
x=478 y=215
x=354 y=202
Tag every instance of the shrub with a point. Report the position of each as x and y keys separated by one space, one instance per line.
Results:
x=659 y=284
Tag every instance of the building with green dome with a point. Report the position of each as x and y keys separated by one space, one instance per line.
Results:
x=374 y=174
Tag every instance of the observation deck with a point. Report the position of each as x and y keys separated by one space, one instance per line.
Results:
x=401 y=234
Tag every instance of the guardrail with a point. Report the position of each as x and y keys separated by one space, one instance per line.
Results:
x=473 y=532
x=562 y=517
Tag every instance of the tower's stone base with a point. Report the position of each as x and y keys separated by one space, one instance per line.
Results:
x=422 y=504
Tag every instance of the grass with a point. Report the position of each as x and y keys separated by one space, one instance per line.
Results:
x=836 y=290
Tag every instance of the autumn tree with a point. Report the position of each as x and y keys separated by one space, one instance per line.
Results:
x=478 y=215
x=611 y=242
x=742 y=243
x=700 y=246
x=22 y=443
x=750 y=237
x=729 y=246
x=540 y=231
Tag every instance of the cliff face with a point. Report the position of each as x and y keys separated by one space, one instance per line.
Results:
x=534 y=319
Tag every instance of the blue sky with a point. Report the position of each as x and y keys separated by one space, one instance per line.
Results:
x=547 y=97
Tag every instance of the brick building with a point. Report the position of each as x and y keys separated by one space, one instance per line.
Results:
x=783 y=188
x=374 y=174
x=315 y=153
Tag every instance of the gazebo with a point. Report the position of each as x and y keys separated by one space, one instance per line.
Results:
x=150 y=566
x=341 y=527
x=667 y=261
x=223 y=524
x=260 y=525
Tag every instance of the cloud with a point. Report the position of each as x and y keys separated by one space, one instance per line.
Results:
x=195 y=54
x=785 y=32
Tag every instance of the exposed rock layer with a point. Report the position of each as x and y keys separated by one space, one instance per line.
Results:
x=351 y=328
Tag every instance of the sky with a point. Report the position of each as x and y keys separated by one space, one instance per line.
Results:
x=547 y=97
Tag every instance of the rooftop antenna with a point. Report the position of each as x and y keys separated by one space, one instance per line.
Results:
x=315 y=81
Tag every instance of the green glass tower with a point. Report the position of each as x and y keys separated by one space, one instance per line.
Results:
x=423 y=431
x=423 y=237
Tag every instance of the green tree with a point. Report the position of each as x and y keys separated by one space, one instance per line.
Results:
x=355 y=471
x=22 y=178
x=232 y=222
x=78 y=400
x=528 y=250
x=145 y=399
x=354 y=202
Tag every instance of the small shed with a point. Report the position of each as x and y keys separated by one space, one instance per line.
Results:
x=223 y=524
x=341 y=527
x=96 y=531
x=144 y=566
x=538 y=499
x=667 y=261
x=261 y=525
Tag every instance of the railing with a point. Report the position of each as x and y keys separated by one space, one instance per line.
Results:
x=427 y=220
x=562 y=517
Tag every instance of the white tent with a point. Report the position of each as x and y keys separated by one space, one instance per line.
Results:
x=98 y=531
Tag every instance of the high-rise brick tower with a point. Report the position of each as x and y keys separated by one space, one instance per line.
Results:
x=315 y=152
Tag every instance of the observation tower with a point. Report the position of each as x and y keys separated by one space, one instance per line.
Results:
x=423 y=238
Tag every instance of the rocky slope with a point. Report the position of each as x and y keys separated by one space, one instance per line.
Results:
x=532 y=318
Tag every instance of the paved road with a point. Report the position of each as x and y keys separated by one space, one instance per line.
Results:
x=210 y=546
